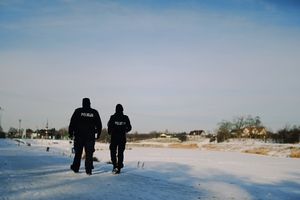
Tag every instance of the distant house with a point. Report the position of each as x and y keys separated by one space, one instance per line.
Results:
x=166 y=134
x=233 y=132
x=163 y=135
x=33 y=135
x=197 y=133
x=249 y=131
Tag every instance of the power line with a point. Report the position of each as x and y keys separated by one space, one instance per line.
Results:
x=34 y=98
x=24 y=96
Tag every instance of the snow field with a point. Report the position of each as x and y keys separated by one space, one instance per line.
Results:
x=30 y=172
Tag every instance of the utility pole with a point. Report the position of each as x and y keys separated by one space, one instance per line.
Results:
x=1 y=117
x=36 y=133
x=19 y=131
x=47 y=130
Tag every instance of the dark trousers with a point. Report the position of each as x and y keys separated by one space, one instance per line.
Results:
x=117 y=145
x=88 y=145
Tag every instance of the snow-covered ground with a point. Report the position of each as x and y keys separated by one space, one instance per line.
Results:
x=31 y=172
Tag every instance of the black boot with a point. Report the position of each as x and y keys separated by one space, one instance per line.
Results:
x=89 y=172
x=74 y=170
x=114 y=170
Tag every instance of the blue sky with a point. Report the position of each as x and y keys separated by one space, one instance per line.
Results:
x=176 y=65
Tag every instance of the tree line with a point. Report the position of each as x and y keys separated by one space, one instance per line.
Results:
x=234 y=129
x=225 y=131
x=226 y=128
x=62 y=133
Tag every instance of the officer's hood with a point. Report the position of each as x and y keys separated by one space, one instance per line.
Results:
x=86 y=103
x=119 y=109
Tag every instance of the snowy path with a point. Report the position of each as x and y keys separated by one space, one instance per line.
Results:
x=30 y=172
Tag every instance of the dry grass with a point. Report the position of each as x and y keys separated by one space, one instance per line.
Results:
x=94 y=158
x=130 y=145
x=211 y=147
x=83 y=155
x=257 y=151
x=183 y=146
x=295 y=153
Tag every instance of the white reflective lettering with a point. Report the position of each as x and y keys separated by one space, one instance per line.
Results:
x=87 y=115
x=120 y=123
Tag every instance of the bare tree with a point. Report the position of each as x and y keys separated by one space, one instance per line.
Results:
x=28 y=132
x=257 y=121
x=224 y=130
x=63 y=131
x=14 y=132
x=253 y=121
x=238 y=123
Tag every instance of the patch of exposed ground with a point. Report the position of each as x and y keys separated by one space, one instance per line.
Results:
x=183 y=146
x=256 y=147
x=238 y=145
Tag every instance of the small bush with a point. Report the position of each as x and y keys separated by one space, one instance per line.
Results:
x=295 y=153
x=2 y=135
x=182 y=137
x=256 y=151
x=96 y=159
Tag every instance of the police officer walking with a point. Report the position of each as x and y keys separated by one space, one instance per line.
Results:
x=85 y=123
x=118 y=125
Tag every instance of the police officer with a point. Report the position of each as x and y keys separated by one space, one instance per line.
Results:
x=118 y=125
x=85 y=123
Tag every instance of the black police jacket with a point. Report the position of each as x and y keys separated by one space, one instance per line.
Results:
x=85 y=122
x=118 y=125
